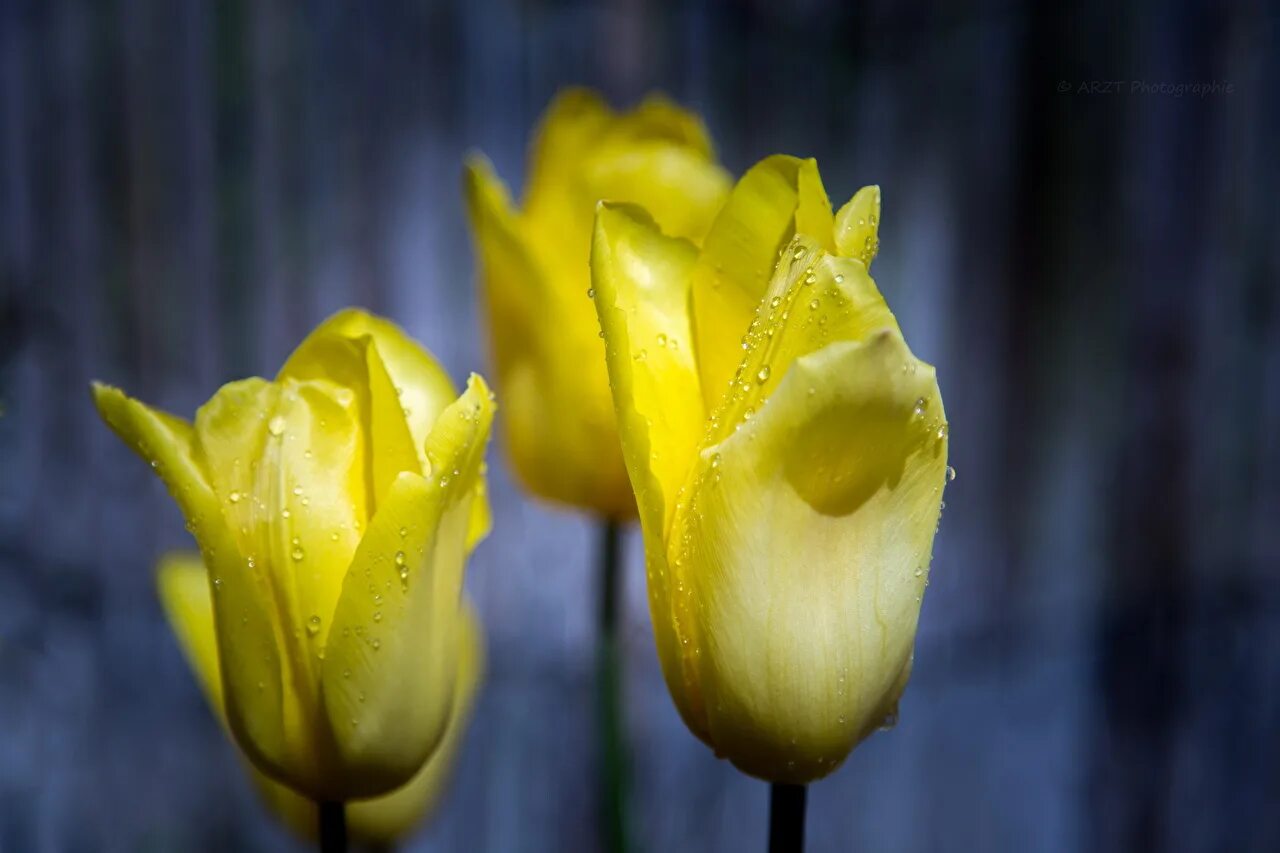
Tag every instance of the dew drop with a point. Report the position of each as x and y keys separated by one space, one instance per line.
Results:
x=839 y=278
x=591 y=293
x=763 y=376
x=943 y=432
x=313 y=625
x=922 y=406
x=298 y=553
x=377 y=616
x=715 y=460
x=217 y=584
x=813 y=304
x=234 y=497
x=275 y=426
x=951 y=473
x=662 y=340
x=376 y=643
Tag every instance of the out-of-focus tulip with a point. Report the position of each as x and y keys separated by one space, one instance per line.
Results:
x=788 y=454
x=334 y=508
x=560 y=426
x=184 y=592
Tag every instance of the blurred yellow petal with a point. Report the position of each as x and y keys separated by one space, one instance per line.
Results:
x=776 y=199
x=675 y=185
x=812 y=529
x=641 y=292
x=399 y=608
x=857 y=226
x=570 y=128
x=560 y=427
x=658 y=118
x=559 y=424
x=183 y=584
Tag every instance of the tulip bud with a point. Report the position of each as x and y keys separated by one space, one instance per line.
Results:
x=788 y=457
x=334 y=508
x=560 y=427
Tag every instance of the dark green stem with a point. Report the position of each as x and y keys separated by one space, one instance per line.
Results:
x=786 y=818
x=333 y=827
x=613 y=791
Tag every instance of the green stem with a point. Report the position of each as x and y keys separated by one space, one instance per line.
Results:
x=786 y=818
x=333 y=827
x=613 y=814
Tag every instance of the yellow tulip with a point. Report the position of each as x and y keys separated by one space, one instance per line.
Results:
x=184 y=592
x=560 y=428
x=334 y=508
x=788 y=455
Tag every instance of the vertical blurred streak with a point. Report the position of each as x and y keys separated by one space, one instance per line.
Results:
x=198 y=268
x=277 y=319
x=364 y=107
x=236 y=275
x=1143 y=632
x=71 y=342
x=144 y=155
x=17 y=286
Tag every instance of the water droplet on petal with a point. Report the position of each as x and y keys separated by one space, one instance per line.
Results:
x=313 y=625
x=951 y=473
x=763 y=376
x=275 y=426
x=234 y=497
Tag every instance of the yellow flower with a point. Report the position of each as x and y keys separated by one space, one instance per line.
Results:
x=560 y=427
x=788 y=459
x=184 y=592
x=334 y=508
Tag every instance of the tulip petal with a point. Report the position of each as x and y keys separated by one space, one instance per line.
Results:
x=286 y=460
x=421 y=385
x=399 y=607
x=641 y=291
x=641 y=281
x=812 y=527
x=554 y=384
x=183 y=585
x=814 y=299
x=776 y=199
x=571 y=128
x=857 y=226
x=391 y=817
x=512 y=283
x=679 y=187
x=388 y=818
x=248 y=641
x=356 y=363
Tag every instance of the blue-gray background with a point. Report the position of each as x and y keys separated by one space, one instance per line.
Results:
x=186 y=188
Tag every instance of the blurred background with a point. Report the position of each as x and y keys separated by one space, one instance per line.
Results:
x=1093 y=265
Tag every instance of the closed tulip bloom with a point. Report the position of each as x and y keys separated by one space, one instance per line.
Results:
x=184 y=593
x=788 y=455
x=532 y=262
x=334 y=508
